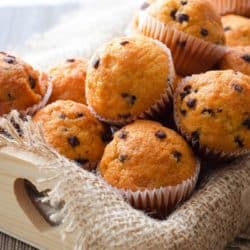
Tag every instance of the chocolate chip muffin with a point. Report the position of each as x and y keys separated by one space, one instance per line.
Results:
x=237 y=30
x=145 y=157
x=239 y=7
x=73 y=131
x=68 y=80
x=129 y=78
x=191 y=29
x=238 y=59
x=212 y=113
x=21 y=86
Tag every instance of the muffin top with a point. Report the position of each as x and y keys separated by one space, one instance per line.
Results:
x=194 y=17
x=214 y=110
x=19 y=83
x=127 y=76
x=146 y=155
x=68 y=80
x=238 y=59
x=237 y=30
x=73 y=131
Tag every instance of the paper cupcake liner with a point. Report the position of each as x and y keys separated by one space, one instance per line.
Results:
x=240 y=7
x=190 y=54
x=161 y=201
x=158 y=107
x=202 y=150
x=33 y=109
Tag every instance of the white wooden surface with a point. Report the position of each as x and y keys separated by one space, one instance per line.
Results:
x=20 y=19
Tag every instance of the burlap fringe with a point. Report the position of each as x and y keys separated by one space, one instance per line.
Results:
x=101 y=219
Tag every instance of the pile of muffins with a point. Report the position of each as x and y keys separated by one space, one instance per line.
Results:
x=146 y=107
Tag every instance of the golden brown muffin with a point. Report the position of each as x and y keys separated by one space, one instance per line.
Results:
x=126 y=77
x=146 y=155
x=195 y=17
x=68 y=80
x=238 y=59
x=73 y=131
x=177 y=81
x=20 y=85
x=212 y=110
x=237 y=30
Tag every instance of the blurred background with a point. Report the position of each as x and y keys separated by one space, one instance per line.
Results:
x=21 y=19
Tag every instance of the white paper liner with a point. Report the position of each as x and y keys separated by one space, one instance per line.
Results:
x=203 y=150
x=33 y=109
x=162 y=200
x=240 y=7
x=159 y=106
x=195 y=56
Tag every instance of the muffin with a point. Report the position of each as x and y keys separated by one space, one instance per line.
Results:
x=129 y=78
x=177 y=81
x=239 y=7
x=237 y=30
x=151 y=165
x=238 y=59
x=22 y=87
x=68 y=80
x=71 y=129
x=212 y=112
x=191 y=29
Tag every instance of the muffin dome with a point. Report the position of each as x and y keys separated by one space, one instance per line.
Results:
x=194 y=17
x=212 y=111
x=146 y=155
x=68 y=80
x=237 y=30
x=73 y=131
x=127 y=76
x=238 y=59
x=21 y=86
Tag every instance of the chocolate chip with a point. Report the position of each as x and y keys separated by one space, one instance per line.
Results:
x=182 y=18
x=62 y=116
x=204 y=32
x=129 y=98
x=32 y=82
x=237 y=87
x=73 y=141
x=191 y=102
x=181 y=44
x=96 y=63
x=195 y=136
x=187 y=91
x=144 y=6
x=183 y=112
x=246 y=123
x=160 y=134
x=173 y=14
x=10 y=97
x=123 y=134
x=70 y=60
x=227 y=28
x=9 y=60
x=81 y=161
x=122 y=158
x=208 y=111
x=79 y=115
x=124 y=43
x=239 y=141
x=124 y=116
x=246 y=58
x=196 y=91
x=184 y=2
x=177 y=155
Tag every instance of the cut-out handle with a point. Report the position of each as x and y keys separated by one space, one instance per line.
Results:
x=30 y=200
